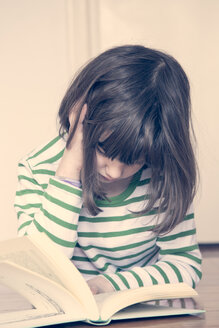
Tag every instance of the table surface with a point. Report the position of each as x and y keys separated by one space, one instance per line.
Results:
x=208 y=290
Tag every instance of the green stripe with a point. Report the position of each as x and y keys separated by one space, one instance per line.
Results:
x=138 y=279
x=176 y=270
x=191 y=257
x=150 y=258
x=177 y=235
x=118 y=248
x=123 y=257
x=43 y=171
x=33 y=181
x=29 y=191
x=178 y=250
x=28 y=206
x=115 y=218
x=154 y=281
x=57 y=240
x=65 y=187
x=24 y=177
x=62 y=204
x=21 y=165
x=90 y=272
x=133 y=263
x=135 y=200
x=96 y=257
x=52 y=159
x=199 y=274
x=112 y=282
x=114 y=201
x=124 y=280
x=80 y=259
x=19 y=213
x=189 y=217
x=59 y=221
x=106 y=219
x=162 y=273
x=50 y=144
x=123 y=267
x=27 y=223
x=22 y=212
x=144 y=182
x=108 y=203
x=114 y=233
x=105 y=267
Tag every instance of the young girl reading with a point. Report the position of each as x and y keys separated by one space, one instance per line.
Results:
x=114 y=190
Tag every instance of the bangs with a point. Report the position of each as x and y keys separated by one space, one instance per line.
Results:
x=127 y=145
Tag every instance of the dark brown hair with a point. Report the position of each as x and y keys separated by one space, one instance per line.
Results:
x=142 y=97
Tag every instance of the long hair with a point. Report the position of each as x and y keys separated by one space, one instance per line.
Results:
x=141 y=98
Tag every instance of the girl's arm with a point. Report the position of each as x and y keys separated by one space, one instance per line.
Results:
x=53 y=208
x=179 y=260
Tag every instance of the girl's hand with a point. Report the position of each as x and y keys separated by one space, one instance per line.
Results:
x=71 y=162
x=100 y=285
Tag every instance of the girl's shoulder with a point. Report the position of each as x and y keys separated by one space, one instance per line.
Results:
x=48 y=152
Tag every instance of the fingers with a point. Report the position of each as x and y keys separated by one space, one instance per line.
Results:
x=73 y=115
x=99 y=285
x=94 y=290
x=72 y=160
x=93 y=287
x=83 y=113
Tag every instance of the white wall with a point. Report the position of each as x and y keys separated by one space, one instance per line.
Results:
x=44 y=41
x=34 y=74
x=189 y=30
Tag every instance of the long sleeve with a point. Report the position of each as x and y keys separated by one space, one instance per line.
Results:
x=178 y=259
x=44 y=203
x=117 y=243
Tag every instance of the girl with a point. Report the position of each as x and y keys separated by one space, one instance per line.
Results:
x=114 y=189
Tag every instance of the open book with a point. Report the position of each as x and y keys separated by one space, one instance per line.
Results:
x=57 y=293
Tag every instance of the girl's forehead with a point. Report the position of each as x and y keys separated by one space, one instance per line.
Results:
x=124 y=149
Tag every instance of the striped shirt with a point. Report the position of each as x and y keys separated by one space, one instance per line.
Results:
x=116 y=243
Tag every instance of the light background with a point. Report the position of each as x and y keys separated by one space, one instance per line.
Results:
x=43 y=43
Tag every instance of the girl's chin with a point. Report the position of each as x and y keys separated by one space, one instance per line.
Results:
x=103 y=179
x=106 y=180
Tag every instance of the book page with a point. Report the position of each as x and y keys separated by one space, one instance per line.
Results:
x=161 y=308
x=24 y=253
x=11 y=300
x=40 y=255
x=113 y=302
x=41 y=301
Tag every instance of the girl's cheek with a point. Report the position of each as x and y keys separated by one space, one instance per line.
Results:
x=100 y=160
x=135 y=169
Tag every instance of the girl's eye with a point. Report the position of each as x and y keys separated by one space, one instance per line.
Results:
x=100 y=150
x=140 y=162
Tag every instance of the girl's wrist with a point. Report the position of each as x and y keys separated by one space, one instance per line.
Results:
x=68 y=167
x=73 y=182
x=67 y=172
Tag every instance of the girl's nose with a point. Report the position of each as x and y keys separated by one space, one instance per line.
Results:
x=114 y=169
